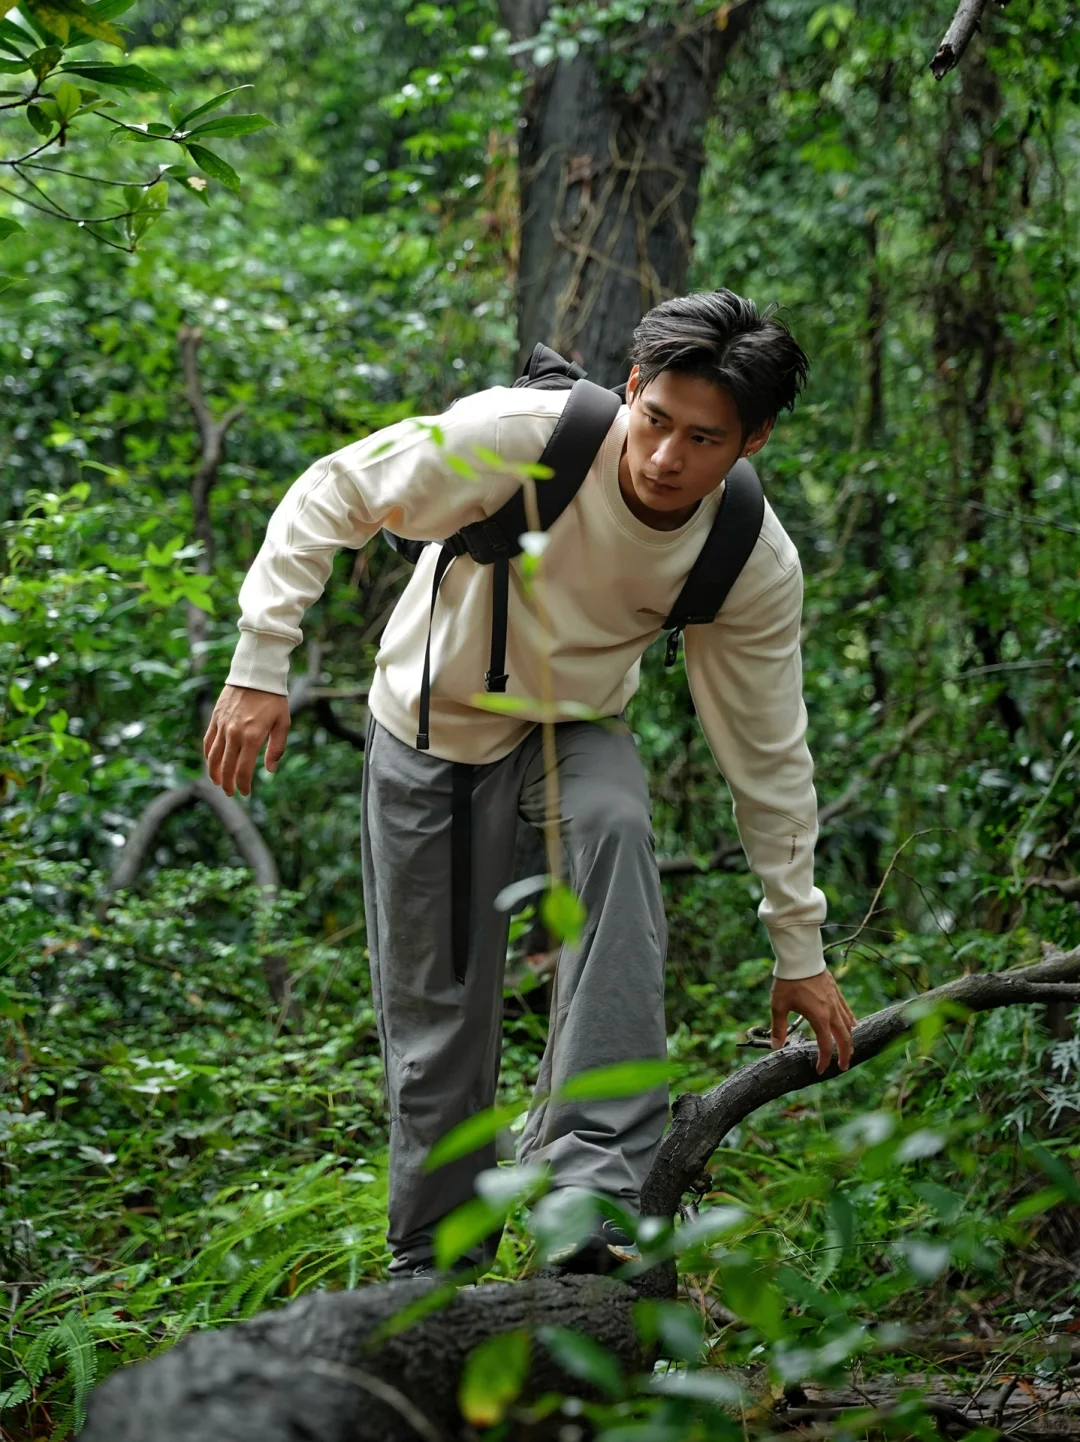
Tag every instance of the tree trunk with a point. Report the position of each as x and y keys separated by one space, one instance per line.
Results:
x=609 y=179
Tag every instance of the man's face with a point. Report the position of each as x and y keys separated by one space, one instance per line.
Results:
x=684 y=437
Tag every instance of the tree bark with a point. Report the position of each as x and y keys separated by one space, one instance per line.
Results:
x=609 y=180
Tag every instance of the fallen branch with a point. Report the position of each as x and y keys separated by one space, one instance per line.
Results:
x=700 y=1123
x=732 y=850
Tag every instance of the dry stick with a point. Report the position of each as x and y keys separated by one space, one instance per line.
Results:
x=700 y=1123
x=958 y=36
x=547 y=698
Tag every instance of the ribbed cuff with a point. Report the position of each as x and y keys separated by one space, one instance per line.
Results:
x=798 y=952
x=261 y=661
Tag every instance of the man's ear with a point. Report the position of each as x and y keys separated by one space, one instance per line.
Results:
x=631 y=384
x=757 y=439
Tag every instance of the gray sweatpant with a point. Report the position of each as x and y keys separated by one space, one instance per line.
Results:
x=440 y=1037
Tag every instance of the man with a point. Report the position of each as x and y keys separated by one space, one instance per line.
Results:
x=709 y=377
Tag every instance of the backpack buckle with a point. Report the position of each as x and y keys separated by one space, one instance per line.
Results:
x=484 y=541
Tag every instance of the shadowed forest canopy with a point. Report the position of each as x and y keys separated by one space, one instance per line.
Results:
x=395 y=204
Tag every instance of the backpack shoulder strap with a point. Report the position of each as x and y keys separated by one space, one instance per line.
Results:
x=579 y=432
x=727 y=548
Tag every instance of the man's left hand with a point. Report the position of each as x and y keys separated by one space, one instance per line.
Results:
x=820 y=1001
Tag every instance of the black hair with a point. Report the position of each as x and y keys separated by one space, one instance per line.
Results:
x=720 y=336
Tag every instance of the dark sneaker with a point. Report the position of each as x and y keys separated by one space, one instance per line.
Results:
x=605 y=1248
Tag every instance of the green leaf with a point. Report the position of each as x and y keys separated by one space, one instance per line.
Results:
x=1058 y=1172
x=38 y=119
x=185 y=120
x=13 y=67
x=67 y=100
x=562 y=1219
x=751 y=1295
x=214 y=166
x=461 y=467
x=77 y=1346
x=229 y=126
x=12 y=1396
x=563 y=913
x=75 y=13
x=701 y=1386
x=149 y=205
x=8 y=227
x=110 y=9
x=124 y=77
x=621 y=1079
x=15 y=38
x=465 y=1228
x=45 y=60
x=709 y=1224
x=584 y=1358
x=6 y=282
x=468 y=1136
x=842 y=1218
x=493 y=1378
x=675 y=1325
x=1036 y=1204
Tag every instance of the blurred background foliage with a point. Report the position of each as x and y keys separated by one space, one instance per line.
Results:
x=173 y=1150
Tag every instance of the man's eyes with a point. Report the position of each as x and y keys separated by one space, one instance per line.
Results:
x=654 y=422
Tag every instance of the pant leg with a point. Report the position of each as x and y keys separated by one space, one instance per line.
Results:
x=608 y=1004
x=440 y=1038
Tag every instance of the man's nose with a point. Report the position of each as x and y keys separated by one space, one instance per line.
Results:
x=666 y=457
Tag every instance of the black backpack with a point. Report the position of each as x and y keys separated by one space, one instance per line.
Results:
x=587 y=417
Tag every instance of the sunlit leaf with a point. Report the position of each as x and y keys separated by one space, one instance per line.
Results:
x=465 y=1227
x=214 y=166
x=124 y=77
x=184 y=121
x=228 y=126
x=494 y=1375
x=620 y=1079
x=470 y=1135
x=563 y=913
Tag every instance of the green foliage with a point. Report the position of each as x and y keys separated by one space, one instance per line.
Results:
x=174 y=1153
x=43 y=47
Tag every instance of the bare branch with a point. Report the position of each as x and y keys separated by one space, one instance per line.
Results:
x=136 y=848
x=1066 y=886
x=700 y=1123
x=958 y=36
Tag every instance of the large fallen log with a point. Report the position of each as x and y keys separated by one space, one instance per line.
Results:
x=310 y=1371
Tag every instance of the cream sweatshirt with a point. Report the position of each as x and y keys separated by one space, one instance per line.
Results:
x=608 y=582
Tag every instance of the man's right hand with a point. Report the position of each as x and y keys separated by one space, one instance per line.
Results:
x=243 y=720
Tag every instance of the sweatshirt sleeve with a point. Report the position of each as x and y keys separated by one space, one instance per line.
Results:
x=745 y=674
x=399 y=477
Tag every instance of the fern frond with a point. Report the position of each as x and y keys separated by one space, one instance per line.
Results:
x=12 y=1396
x=77 y=1345
x=35 y=1360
